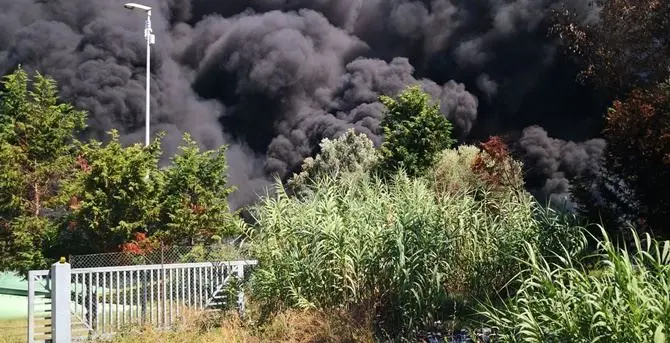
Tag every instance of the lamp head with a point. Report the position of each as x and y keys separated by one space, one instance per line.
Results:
x=133 y=6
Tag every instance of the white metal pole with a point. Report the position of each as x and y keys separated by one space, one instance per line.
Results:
x=147 y=35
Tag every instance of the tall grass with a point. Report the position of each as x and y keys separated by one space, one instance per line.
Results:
x=392 y=251
x=357 y=244
x=625 y=297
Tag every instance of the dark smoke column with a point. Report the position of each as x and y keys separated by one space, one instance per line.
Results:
x=271 y=78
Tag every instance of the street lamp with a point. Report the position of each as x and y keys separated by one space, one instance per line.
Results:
x=151 y=39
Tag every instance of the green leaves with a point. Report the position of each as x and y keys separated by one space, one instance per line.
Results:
x=391 y=247
x=121 y=190
x=615 y=296
x=349 y=153
x=117 y=192
x=659 y=336
x=59 y=196
x=37 y=153
x=414 y=132
x=194 y=197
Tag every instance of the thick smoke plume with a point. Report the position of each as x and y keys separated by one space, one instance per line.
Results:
x=553 y=162
x=271 y=78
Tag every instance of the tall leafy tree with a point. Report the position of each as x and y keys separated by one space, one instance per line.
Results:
x=37 y=152
x=194 y=204
x=415 y=132
x=116 y=194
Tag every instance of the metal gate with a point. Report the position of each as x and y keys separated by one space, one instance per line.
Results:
x=104 y=300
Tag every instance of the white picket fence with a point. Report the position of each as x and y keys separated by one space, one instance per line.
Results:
x=82 y=303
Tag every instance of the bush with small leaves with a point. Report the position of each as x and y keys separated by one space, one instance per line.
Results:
x=415 y=132
x=349 y=153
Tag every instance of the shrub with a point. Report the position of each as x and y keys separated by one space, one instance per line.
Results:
x=452 y=173
x=624 y=298
x=496 y=168
x=492 y=215
x=414 y=132
x=488 y=169
x=349 y=153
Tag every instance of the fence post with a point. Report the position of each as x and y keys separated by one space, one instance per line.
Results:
x=31 y=307
x=60 y=302
x=240 y=293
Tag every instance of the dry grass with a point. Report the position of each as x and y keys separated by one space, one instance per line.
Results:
x=13 y=331
x=290 y=326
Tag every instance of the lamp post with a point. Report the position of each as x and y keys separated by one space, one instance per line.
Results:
x=151 y=39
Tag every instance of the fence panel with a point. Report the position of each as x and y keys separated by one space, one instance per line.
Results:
x=105 y=300
x=39 y=306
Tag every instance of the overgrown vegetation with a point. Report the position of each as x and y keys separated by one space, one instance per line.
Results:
x=37 y=153
x=292 y=326
x=349 y=153
x=362 y=244
x=613 y=295
x=395 y=248
x=625 y=54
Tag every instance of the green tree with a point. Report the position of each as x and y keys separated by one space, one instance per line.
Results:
x=415 y=132
x=194 y=206
x=349 y=153
x=37 y=152
x=116 y=193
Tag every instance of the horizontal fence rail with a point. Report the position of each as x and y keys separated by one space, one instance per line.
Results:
x=104 y=300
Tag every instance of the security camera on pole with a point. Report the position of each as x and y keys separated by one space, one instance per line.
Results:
x=151 y=39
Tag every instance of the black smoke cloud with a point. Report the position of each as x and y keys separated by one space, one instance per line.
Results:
x=271 y=78
x=552 y=163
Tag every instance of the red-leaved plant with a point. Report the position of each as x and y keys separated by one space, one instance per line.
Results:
x=494 y=165
x=141 y=245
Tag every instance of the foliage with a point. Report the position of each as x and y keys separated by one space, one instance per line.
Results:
x=638 y=135
x=496 y=168
x=140 y=245
x=60 y=196
x=37 y=152
x=116 y=193
x=349 y=153
x=393 y=248
x=218 y=251
x=635 y=180
x=452 y=173
x=626 y=298
x=193 y=204
x=415 y=132
x=357 y=243
x=489 y=173
x=120 y=191
x=627 y=47
x=626 y=53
